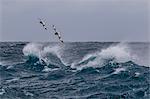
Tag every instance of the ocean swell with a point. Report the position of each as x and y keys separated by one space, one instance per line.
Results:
x=45 y=55
x=118 y=53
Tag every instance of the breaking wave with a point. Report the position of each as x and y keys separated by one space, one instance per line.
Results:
x=51 y=55
x=44 y=54
x=118 y=53
x=96 y=70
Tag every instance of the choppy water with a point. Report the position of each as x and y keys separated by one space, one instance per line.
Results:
x=89 y=70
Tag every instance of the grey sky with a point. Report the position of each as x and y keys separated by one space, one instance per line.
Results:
x=78 y=20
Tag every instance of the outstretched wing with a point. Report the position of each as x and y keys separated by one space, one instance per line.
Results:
x=43 y=24
x=54 y=28
x=57 y=34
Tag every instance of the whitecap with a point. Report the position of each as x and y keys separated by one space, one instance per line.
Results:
x=137 y=74
x=118 y=70
x=12 y=80
x=9 y=67
x=28 y=93
x=118 y=53
x=44 y=53
x=2 y=91
x=47 y=69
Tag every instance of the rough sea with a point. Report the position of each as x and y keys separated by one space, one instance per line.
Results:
x=74 y=70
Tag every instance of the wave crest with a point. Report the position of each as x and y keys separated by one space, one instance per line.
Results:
x=118 y=53
x=49 y=54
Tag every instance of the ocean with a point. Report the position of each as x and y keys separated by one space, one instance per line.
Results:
x=74 y=70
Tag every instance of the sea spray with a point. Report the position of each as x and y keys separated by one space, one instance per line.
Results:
x=117 y=53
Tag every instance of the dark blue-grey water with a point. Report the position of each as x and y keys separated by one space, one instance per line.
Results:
x=78 y=70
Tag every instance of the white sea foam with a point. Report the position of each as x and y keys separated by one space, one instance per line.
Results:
x=47 y=69
x=32 y=49
x=118 y=70
x=44 y=53
x=2 y=91
x=118 y=53
x=10 y=67
x=28 y=93
x=2 y=63
x=137 y=74
x=12 y=80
